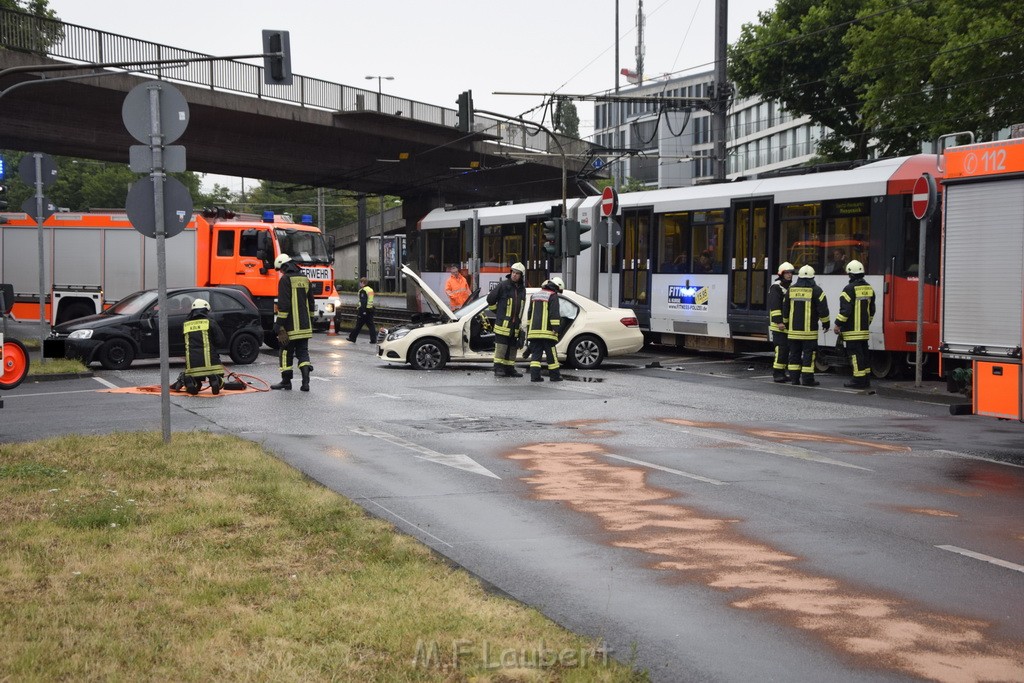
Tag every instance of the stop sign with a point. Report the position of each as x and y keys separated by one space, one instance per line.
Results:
x=609 y=201
x=923 y=196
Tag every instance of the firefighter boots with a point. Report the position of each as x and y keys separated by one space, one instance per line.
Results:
x=858 y=383
x=216 y=384
x=510 y=371
x=285 y=383
x=808 y=380
x=555 y=375
x=794 y=377
x=305 y=370
x=499 y=371
x=535 y=375
x=780 y=376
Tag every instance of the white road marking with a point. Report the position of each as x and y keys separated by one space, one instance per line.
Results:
x=983 y=558
x=777 y=449
x=688 y=475
x=109 y=385
x=978 y=457
x=397 y=516
x=458 y=461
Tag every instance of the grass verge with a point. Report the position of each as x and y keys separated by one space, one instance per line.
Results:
x=125 y=558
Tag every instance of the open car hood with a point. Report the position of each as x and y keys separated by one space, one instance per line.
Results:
x=429 y=299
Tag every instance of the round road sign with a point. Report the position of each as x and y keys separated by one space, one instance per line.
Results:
x=609 y=201
x=923 y=197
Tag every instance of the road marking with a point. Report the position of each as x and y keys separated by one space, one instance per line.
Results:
x=978 y=457
x=109 y=385
x=399 y=517
x=983 y=558
x=688 y=475
x=458 y=461
x=777 y=449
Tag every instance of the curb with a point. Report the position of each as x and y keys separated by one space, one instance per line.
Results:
x=59 y=376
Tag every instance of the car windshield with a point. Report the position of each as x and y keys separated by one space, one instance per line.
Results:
x=303 y=246
x=133 y=303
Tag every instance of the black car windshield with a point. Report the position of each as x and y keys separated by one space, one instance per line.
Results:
x=133 y=303
x=303 y=246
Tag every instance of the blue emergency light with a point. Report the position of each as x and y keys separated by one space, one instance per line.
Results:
x=307 y=219
x=268 y=216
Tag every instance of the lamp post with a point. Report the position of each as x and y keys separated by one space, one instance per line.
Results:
x=380 y=79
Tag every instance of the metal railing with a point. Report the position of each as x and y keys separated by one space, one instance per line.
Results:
x=25 y=32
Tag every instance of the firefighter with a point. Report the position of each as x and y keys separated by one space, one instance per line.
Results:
x=506 y=300
x=294 y=323
x=542 y=334
x=364 y=315
x=203 y=337
x=777 y=322
x=856 y=311
x=804 y=306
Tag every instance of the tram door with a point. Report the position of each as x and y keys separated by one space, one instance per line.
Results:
x=748 y=275
x=636 y=264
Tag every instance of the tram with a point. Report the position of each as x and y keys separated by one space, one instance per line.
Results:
x=695 y=263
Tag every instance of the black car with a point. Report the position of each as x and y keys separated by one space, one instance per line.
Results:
x=130 y=328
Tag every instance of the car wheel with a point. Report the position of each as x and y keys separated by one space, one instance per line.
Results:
x=586 y=352
x=428 y=354
x=117 y=354
x=15 y=367
x=245 y=348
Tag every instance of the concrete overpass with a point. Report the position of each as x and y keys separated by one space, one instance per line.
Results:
x=312 y=133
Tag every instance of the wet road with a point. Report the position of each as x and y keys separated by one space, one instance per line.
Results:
x=705 y=522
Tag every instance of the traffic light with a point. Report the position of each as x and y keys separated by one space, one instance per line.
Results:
x=552 y=228
x=277 y=58
x=575 y=242
x=465 y=102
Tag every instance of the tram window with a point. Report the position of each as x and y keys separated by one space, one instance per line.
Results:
x=847 y=239
x=673 y=252
x=490 y=250
x=707 y=241
x=800 y=237
x=442 y=246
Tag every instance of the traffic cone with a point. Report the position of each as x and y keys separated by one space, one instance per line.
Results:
x=331 y=332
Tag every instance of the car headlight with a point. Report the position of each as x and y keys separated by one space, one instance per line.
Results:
x=397 y=334
x=81 y=334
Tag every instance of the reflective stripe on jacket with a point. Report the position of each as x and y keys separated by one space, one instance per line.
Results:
x=544 y=316
x=506 y=300
x=776 y=295
x=295 y=303
x=365 y=297
x=805 y=307
x=856 y=310
x=201 y=358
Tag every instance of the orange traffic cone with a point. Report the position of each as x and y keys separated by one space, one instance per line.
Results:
x=331 y=332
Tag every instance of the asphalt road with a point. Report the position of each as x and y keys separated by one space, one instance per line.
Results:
x=707 y=523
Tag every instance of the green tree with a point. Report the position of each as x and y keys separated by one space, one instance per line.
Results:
x=939 y=66
x=796 y=55
x=567 y=119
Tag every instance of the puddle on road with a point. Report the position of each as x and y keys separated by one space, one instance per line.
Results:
x=930 y=512
x=589 y=427
x=576 y=378
x=788 y=437
x=876 y=629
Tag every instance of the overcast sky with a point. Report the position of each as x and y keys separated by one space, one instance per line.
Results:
x=435 y=50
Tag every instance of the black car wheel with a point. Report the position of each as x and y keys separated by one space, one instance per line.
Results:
x=586 y=352
x=245 y=348
x=428 y=354
x=117 y=354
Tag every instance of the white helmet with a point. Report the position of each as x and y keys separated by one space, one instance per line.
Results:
x=855 y=267
x=519 y=268
x=557 y=282
x=201 y=303
x=281 y=260
x=785 y=266
x=806 y=271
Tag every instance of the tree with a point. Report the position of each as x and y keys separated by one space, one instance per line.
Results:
x=937 y=67
x=567 y=120
x=796 y=55
x=38 y=31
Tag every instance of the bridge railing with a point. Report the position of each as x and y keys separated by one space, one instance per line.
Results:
x=25 y=32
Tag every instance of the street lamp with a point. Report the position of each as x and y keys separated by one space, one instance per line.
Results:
x=379 y=93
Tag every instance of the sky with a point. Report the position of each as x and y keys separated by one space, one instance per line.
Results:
x=435 y=50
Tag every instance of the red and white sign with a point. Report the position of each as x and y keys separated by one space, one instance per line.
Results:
x=609 y=201
x=921 y=198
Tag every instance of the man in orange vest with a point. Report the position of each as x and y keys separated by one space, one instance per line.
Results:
x=456 y=288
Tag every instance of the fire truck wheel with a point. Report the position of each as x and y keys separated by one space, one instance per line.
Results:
x=245 y=348
x=15 y=367
x=117 y=354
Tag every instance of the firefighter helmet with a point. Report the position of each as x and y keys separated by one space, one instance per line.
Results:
x=806 y=271
x=281 y=260
x=855 y=267
x=519 y=268
x=201 y=303
x=785 y=267
x=557 y=282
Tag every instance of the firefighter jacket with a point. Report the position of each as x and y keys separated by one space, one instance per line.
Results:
x=856 y=309
x=776 y=294
x=506 y=300
x=295 y=303
x=805 y=307
x=202 y=339
x=457 y=290
x=544 y=316
x=365 y=299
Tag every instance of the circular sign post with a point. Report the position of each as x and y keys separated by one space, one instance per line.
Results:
x=609 y=201
x=923 y=198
